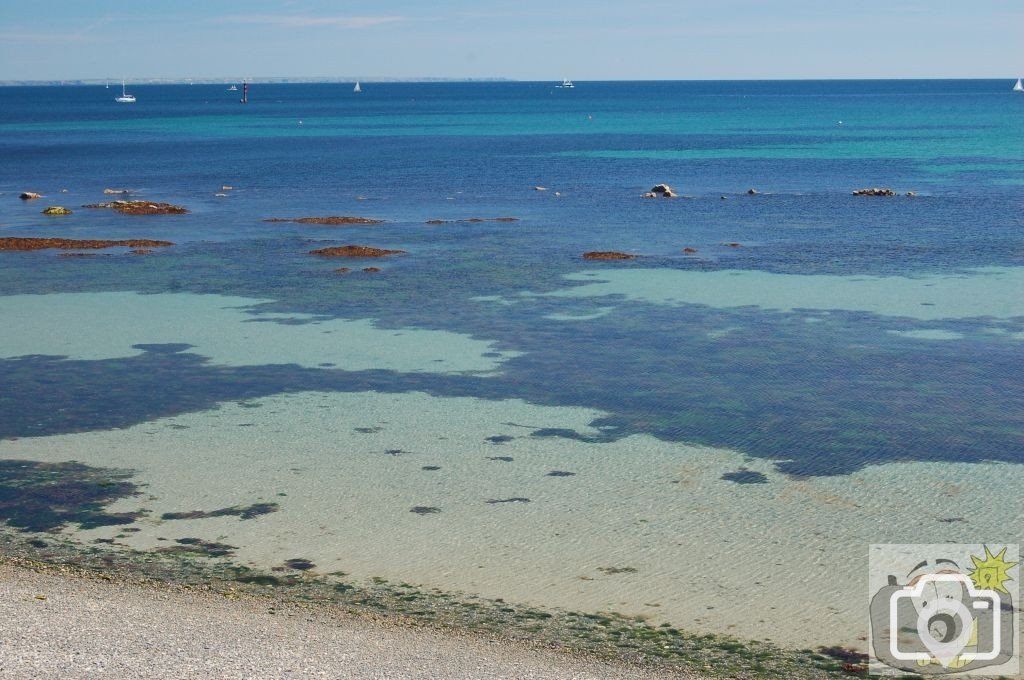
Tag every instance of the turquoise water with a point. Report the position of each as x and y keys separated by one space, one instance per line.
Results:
x=844 y=340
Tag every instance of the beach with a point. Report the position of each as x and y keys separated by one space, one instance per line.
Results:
x=64 y=624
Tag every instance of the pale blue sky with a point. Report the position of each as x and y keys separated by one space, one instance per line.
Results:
x=528 y=39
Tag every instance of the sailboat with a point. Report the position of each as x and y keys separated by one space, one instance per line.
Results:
x=1019 y=87
x=125 y=98
x=566 y=84
x=233 y=88
x=357 y=88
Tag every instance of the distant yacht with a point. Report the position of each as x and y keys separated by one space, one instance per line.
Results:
x=232 y=89
x=1019 y=87
x=125 y=98
x=357 y=88
x=566 y=84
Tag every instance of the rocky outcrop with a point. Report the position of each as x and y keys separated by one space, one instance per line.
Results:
x=607 y=255
x=354 y=251
x=752 y=192
x=371 y=270
x=332 y=220
x=18 y=243
x=29 y=196
x=660 y=190
x=56 y=210
x=140 y=208
x=874 y=191
x=689 y=251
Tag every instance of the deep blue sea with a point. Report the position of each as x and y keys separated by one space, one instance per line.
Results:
x=406 y=153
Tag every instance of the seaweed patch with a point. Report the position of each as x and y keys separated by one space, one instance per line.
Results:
x=36 y=496
x=197 y=546
x=240 y=511
x=745 y=476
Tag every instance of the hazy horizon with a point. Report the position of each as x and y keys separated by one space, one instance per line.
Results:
x=533 y=41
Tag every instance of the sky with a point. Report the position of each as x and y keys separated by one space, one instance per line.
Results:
x=521 y=39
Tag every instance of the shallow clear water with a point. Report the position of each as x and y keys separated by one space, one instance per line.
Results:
x=848 y=342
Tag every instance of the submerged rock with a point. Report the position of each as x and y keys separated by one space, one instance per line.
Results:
x=19 y=243
x=874 y=191
x=355 y=251
x=689 y=251
x=607 y=255
x=474 y=220
x=56 y=210
x=330 y=220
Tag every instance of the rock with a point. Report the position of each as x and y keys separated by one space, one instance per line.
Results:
x=140 y=208
x=111 y=192
x=435 y=221
x=689 y=251
x=874 y=191
x=607 y=255
x=342 y=270
x=911 y=194
x=371 y=270
x=355 y=251
x=724 y=197
x=753 y=192
x=733 y=244
x=29 y=195
x=19 y=243
x=663 y=190
x=56 y=210
x=332 y=220
x=650 y=194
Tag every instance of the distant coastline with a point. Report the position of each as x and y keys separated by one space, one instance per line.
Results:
x=227 y=80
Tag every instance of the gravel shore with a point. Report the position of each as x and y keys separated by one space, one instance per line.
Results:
x=56 y=625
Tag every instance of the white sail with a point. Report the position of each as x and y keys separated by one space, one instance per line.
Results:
x=1019 y=87
x=125 y=98
x=357 y=88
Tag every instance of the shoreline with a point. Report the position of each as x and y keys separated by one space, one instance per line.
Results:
x=73 y=624
x=497 y=637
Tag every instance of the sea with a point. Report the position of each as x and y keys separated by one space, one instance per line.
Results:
x=710 y=434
